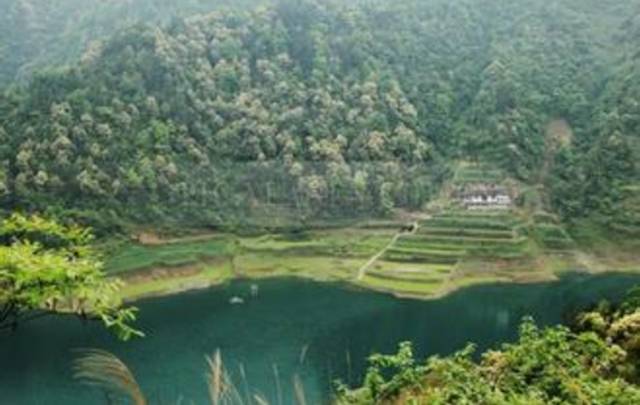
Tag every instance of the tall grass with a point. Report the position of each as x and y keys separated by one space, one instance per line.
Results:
x=104 y=370
x=222 y=390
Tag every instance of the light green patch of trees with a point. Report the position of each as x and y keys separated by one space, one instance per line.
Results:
x=47 y=268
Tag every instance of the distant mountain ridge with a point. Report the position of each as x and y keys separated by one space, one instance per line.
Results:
x=40 y=33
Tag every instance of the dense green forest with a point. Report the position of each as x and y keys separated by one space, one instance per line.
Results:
x=320 y=109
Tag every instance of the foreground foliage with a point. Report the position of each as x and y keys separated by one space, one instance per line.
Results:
x=592 y=362
x=48 y=268
x=104 y=370
x=595 y=362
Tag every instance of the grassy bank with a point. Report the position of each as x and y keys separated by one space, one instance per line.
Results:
x=448 y=247
x=434 y=261
x=173 y=267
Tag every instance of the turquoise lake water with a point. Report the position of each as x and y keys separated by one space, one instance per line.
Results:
x=320 y=332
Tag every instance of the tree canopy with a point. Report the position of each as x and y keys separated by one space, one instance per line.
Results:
x=47 y=268
x=329 y=109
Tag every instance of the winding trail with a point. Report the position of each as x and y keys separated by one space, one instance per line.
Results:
x=363 y=270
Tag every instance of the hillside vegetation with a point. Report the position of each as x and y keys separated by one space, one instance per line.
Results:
x=321 y=110
x=37 y=34
x=450 y=247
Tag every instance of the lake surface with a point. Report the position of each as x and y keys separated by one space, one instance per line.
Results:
x=320 y=332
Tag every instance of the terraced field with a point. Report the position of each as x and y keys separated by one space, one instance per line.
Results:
x=426 y=261
x=431 y=258
x=550 y=236
x=135 y=257
x=452 y=247
x=322 y=255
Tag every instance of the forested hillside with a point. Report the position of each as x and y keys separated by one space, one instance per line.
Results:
x=36 y=34
x=600 y=175
x=330 y=109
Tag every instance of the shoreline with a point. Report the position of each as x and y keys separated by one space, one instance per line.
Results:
x=339 y=255
x=187 y=285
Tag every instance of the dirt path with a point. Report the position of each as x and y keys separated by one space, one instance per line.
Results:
x=363 y=270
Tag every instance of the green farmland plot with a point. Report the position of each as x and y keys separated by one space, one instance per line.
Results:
x=138 y=256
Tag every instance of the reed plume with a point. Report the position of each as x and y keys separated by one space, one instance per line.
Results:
x=222 y=391
x=102 y=369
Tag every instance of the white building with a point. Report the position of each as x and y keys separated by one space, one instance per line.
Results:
x=482 y=196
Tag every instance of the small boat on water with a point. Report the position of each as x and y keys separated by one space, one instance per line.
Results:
x=236 y=300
